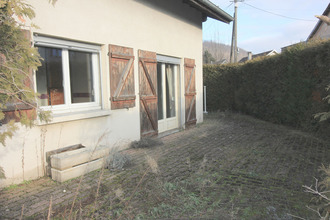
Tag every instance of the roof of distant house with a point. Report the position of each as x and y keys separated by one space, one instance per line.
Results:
x=222 y=61
x=210 y=10
x=318 y=25
x=267 y=53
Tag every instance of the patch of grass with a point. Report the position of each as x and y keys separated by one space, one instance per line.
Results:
x=16 y=186
x=190 y=198
x=11 y=187
x=162 y=211
x=251 y=213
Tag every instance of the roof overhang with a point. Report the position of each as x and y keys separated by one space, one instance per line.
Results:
x=210 y=10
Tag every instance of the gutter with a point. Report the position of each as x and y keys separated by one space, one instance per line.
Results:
x=210 y=10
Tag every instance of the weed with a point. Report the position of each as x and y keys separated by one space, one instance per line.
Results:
x=163 y=211
x=2 y=173
x=49 y=208
x=98 y=188
x=22 y=212
x=118 y=161
x=12 y=186
x=152 y=164
x=321 y=194
x=26 y=182
x=82 y=176
x=169 y=187
x=146 y=143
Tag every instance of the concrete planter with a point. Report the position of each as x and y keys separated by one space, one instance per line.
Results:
x=74 y=163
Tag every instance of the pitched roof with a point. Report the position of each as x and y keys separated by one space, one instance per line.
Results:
x=318 y=24
x=267 y=53
x=210 y=10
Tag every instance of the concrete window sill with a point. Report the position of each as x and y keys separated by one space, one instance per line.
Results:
x=66 y=117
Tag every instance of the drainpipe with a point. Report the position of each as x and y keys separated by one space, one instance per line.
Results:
x=205 y=112
x=249 y=55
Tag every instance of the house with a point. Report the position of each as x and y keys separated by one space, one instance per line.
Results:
x=112 y=72
x=263 y=54
x=222 y=61
x=283 y=49
x=321 y=29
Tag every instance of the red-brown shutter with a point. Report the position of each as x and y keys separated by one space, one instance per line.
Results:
x=15 y=109
x=190 y=91
x=122 y=88
x=148 y=93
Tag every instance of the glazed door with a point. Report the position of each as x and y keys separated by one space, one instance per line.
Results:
x=167 y=91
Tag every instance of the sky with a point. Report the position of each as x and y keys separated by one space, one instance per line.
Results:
x=264 y=25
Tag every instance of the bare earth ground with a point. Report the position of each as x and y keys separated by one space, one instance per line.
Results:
x=229 y=167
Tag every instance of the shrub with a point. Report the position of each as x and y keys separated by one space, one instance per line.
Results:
x=284 y=89
x=146 y=142
x=118 y=161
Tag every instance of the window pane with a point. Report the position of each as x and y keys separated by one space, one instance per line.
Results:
x=81 y=77
x=50 y=77
x=160 y=91
x=170 y=91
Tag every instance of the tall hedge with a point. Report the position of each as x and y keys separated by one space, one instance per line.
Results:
x=284 y=89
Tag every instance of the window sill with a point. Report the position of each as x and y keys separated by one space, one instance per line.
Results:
x=74 y=116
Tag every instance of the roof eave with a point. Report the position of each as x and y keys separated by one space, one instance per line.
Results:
x=210 y=10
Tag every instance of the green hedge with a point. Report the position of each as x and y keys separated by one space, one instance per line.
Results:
x=284 y=89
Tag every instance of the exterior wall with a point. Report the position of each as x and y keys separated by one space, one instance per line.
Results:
x=323 y=32
x=167 y=27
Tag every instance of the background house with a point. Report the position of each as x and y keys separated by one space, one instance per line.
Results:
x=251 y=57
x=112 y=72
x=321 y=29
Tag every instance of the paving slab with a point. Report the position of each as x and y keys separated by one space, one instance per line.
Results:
x=238 y=155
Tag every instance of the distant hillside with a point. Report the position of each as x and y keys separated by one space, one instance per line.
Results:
x=221 y=51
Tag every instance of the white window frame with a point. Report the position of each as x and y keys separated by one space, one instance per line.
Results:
x=66 y=46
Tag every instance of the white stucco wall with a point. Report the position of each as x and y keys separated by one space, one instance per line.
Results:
x=166 y=27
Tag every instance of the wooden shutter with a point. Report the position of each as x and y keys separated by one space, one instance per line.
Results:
x=15 y=109
x=190 y=91
x=122 y=90
x=148 y=93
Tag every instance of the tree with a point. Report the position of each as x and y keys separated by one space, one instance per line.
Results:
x=17 y=60
x=208 y=58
